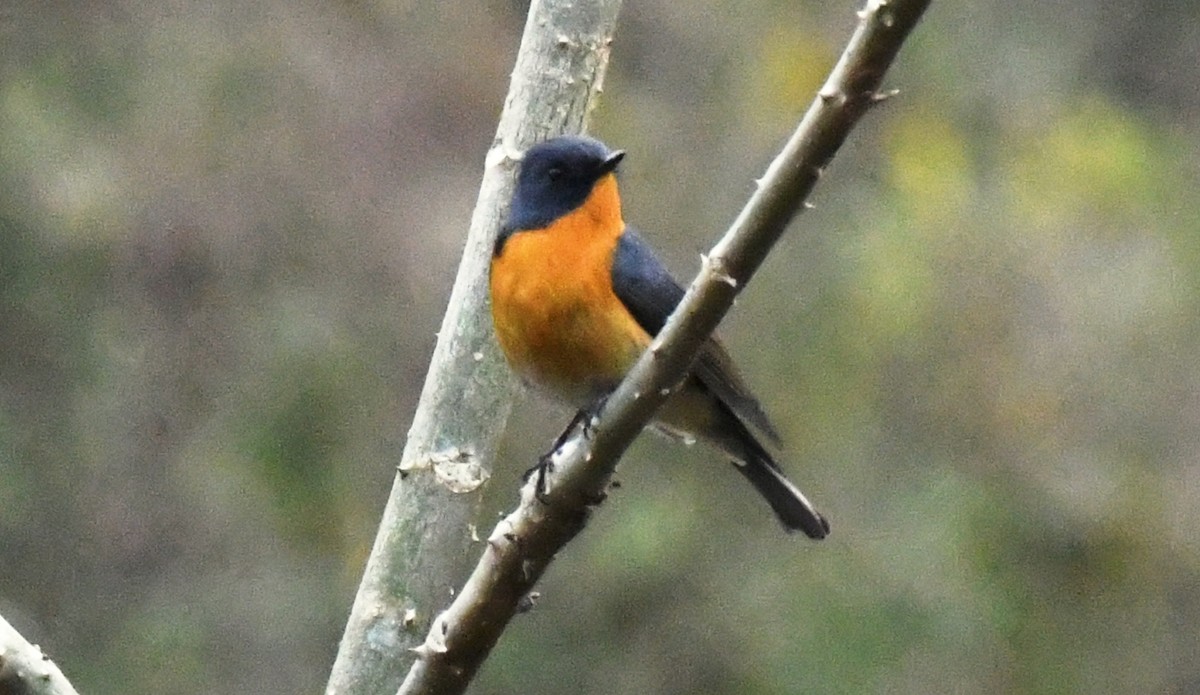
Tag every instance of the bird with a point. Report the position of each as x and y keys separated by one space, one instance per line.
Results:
x=577 y=295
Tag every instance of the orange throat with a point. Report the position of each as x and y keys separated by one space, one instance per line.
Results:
x=556 y=315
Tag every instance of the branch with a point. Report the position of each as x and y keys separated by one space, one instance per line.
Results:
x=422 y=548
x=524 y=542
x=24 y=669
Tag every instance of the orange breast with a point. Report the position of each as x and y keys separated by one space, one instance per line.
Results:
x=556 y=316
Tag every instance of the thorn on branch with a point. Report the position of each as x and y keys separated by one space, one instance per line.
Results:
x=882 y=96
x=528 y=602
x=435 y=641
x=497 y=536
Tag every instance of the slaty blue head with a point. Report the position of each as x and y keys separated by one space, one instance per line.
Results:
x=556 y=177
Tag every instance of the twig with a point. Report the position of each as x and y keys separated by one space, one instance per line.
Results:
x=523 y=544
x=25 y=669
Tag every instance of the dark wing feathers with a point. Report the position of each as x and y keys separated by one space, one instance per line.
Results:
x=716 y=370
x=642 y=282
x=646 y=288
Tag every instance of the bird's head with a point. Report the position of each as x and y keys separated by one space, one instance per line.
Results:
x=556 y=177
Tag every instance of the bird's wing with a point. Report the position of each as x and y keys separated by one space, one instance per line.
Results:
x=646 y=288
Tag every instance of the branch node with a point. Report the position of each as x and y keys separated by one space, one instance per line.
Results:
x=832 y=95
x=501 y=153
x=718 y=268
x=495 y=540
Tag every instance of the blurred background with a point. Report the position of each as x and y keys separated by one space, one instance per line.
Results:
x=228 y=232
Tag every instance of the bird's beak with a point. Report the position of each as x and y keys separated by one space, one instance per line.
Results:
x=611 y=161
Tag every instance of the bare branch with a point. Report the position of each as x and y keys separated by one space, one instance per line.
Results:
x=422 y=550
x=25 y=669
x=523 y=544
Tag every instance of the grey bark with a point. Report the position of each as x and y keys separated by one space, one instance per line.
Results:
x=425 y=537
x=25 y=670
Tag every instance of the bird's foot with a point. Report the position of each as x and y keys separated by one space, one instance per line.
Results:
x=544 y=465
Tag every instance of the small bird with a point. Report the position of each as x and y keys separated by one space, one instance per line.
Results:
x=577 y=296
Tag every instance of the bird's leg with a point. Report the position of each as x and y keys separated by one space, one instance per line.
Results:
x=545 y=462
x=590 y=413
x=583 y=421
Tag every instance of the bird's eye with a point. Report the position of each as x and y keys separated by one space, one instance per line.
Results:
x=554 y=173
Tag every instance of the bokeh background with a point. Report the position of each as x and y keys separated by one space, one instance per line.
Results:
x=228 y=231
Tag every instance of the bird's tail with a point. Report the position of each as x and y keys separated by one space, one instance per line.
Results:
x=695 y=412
x=790 y=505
